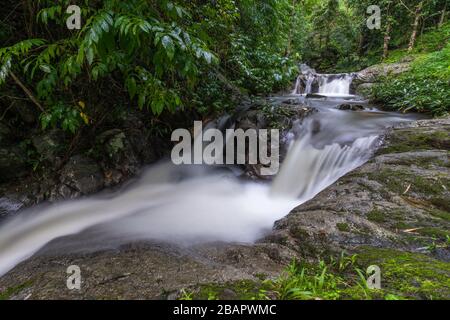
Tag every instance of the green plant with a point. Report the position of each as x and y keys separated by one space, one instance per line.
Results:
x=185 y=295
x=425 y=88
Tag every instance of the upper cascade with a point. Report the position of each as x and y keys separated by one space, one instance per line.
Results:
x=309 y=81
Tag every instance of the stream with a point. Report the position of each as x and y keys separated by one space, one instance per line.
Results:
x=187 y=205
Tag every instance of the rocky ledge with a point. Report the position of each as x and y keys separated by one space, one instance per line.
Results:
x=394 y=212
x=364 y=80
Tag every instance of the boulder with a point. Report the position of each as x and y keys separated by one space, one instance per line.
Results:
x=352 y=107
x=364 y=80
x=364 y=89
x=5 y=134
x=118 y=152
x=13 y=163
x=49 y=144
x=315 y=96
x=374 y=73
x=27 y=112
x=82 y=175
x=398 y=199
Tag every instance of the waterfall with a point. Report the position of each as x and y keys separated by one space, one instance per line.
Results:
x=335 y=85
x=193 y=204
x=324 y=84
x=181 y=205
x=307 y=170
x=297 y=88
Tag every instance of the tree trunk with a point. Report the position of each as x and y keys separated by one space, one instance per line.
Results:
x=361 y=42
x=29 y=16
x=292 y=26
x=442 y=20
x=418 y=14
x=387 y=38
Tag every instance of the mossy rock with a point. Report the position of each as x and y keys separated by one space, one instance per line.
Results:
x=398 y=181
x=239 y=290
x=10 y=292
x=376 y=216
x=343 y=227
x=411 y=275
x=413 y=139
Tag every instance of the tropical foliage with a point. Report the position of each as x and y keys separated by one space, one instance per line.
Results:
x=194 y=58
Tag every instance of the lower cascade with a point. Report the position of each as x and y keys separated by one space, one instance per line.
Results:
x=195 y=204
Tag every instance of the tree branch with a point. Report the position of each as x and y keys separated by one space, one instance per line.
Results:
x=27 y=91
x=407 y=8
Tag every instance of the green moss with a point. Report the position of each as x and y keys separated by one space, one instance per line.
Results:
x=402 y=225
x=343 y=227
x=410 y=140
x=434 y=232
x=412 y=275
x=243 y=290
x=403 y=276
x=9 y=292
x=298 y=233
x=376 y=216
x=441 y=203
x=398 y=181
x=444 y=215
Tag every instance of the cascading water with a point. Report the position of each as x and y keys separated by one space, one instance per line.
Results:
x=308 y=170
x=196 y=205
x=324 y=84
x=335 y=85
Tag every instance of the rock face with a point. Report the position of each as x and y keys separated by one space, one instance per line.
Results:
x=352 y=107
x=281 y=116
x=82 y=175
x=48 y=145
x=13 y=159
x=13 y=163
x=399 y=200
x=366 y=79
x=53 y=165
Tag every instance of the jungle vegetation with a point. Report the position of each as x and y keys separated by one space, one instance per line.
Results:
x=194 y=58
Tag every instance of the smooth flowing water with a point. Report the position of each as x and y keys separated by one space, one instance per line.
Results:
x=190 y=205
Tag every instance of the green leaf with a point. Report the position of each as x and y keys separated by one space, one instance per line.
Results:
x=141 y=100
x=169 y=46
x=46 y=68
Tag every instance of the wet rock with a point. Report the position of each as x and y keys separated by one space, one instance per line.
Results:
x=82 y=175
x=292 y=102
x=280 y=116
x=118 y=153
x=49 y=145
x=5 y=134
x=364 y=89
x=364 y=80
x=8 y=206
x=374 y=73
x=352 y=107
x=27 y=113
x=13 y=163
x=396 y=200
x=315 y=96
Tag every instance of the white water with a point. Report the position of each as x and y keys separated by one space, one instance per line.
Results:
x=320 y=167
x=328 y=84
x=335 y=85
x=196 y=205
